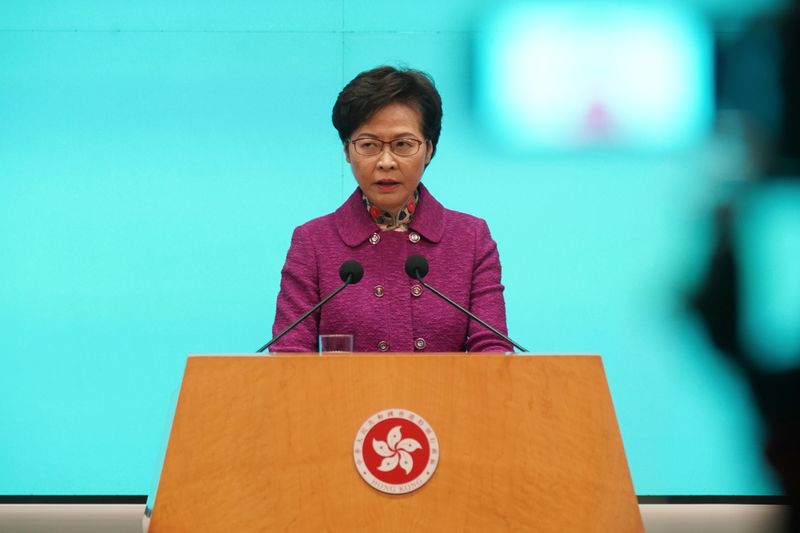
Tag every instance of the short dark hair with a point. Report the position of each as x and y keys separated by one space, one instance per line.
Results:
x=375 y=89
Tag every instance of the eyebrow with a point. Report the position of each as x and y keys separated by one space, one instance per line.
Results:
x=396 y=136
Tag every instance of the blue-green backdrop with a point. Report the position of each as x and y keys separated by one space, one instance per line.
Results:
x=155 y=156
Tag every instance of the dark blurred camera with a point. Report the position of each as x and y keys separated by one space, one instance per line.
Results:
x=758 y=80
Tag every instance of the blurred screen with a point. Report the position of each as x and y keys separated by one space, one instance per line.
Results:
x=568 y=75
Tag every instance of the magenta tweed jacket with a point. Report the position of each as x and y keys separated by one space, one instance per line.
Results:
x=387 y=310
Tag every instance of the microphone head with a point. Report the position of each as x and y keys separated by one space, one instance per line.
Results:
x=351 y=271
x=416 y=264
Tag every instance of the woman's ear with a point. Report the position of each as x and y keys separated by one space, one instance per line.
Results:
x=428 y=151
x=347 y=151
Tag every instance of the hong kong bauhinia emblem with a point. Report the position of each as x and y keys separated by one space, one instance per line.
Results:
x=396 y=451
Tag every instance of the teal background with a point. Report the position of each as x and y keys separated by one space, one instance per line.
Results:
x=155 y=156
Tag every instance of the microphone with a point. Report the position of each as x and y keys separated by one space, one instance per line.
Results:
x=350 y=272
x=417 y=268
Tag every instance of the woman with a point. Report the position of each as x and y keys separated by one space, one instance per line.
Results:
x=389 y=122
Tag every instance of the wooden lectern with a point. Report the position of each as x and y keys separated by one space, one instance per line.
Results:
x=265 y=443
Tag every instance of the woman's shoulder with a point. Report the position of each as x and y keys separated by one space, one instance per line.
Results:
x=319 y=226
x=463 y=218
x=464 y=221
x=437 y=220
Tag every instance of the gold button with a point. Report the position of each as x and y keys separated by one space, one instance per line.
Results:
x=383 y=346
x=375 y=238
x=413 y=237
x=378 y=291
x=416 y=290
x=419 y=343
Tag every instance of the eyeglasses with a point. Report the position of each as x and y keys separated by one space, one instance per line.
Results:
x=404 y=147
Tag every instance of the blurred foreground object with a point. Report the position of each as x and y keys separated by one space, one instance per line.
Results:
x=759 y=80
x=776 y=393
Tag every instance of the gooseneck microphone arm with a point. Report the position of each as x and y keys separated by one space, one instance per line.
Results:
x=305 y=315
x=350 y=272
x=417 y=266
x=469 y=314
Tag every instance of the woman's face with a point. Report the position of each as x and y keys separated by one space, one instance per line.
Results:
x=387 y=179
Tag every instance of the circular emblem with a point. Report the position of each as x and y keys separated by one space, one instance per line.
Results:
x=396 y=451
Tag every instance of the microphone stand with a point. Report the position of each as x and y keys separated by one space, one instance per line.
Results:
x=472 y=316
x=305 y=315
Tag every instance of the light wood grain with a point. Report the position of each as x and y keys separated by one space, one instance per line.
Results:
x=528 y=443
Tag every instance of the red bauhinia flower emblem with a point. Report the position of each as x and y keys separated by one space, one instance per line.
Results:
x=396 y=451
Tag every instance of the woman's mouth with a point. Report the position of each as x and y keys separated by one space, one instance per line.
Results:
x=386 y=185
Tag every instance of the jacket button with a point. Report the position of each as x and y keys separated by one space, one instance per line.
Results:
x=419 y=343
x=413 y=237
x=416 y=290
x=383 y=346
x=378 y=291
x=375 y=238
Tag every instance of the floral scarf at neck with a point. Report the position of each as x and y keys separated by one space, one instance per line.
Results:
x=386 y=220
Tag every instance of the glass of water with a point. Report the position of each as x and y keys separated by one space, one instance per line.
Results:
x=335 y=343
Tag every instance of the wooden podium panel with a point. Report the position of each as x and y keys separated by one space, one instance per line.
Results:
x=265 y=443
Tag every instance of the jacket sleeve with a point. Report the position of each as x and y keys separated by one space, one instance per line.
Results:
x=486 y=296
x=299 y=292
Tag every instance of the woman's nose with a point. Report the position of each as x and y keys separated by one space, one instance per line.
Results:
x=386 y=159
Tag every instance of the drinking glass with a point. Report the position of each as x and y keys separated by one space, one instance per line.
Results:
x=335 y=343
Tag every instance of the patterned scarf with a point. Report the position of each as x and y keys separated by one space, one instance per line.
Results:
x=389 y=222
